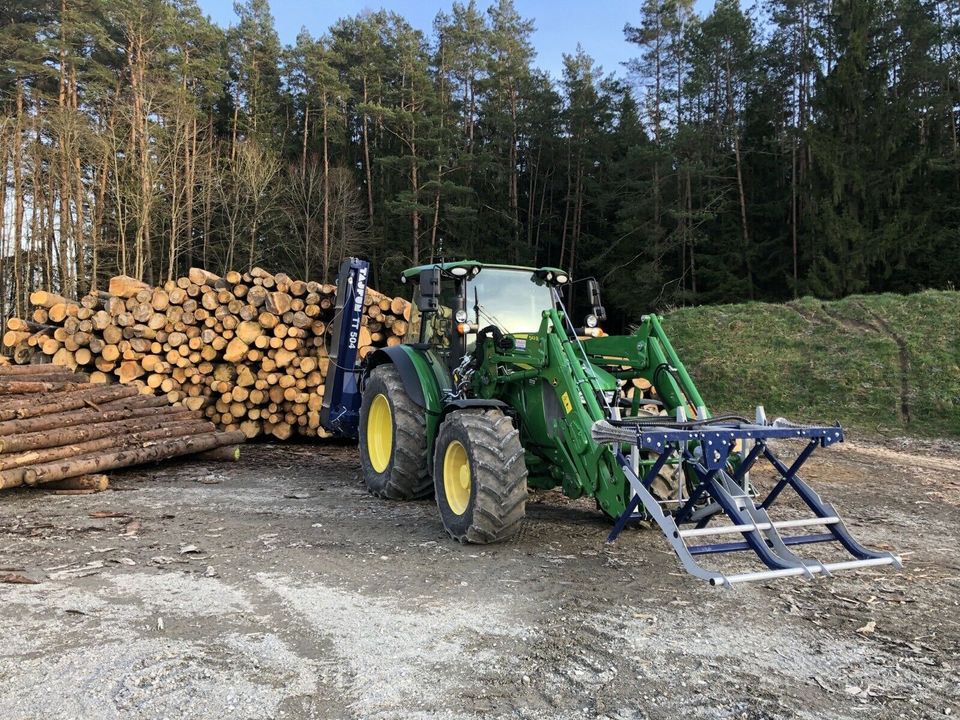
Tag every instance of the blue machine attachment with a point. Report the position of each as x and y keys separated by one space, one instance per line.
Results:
x=704 y=452
x=340 y=411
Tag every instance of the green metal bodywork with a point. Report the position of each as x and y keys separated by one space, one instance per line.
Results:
x=558 y=395
x=557 y=386
x=431 y=375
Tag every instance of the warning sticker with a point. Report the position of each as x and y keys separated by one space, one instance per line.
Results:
x=567 y=405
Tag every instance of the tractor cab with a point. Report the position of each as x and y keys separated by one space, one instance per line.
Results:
x=453 y=302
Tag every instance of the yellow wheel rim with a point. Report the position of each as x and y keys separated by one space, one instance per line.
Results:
x=456 y=477
x=380 y=433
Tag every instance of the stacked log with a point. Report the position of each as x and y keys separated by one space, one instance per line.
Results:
x=60 y=430
x=248 y=349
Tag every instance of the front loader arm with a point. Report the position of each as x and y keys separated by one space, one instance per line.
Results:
x=562 y=386
x=649 y=354
x=559 y=397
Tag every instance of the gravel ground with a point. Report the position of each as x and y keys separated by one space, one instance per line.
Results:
x=277 y=587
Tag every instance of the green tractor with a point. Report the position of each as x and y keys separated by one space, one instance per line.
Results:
x=496 y=390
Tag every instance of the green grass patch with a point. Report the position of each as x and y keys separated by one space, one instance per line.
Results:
x=880 y=364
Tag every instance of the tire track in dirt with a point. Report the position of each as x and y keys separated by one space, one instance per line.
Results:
x=904 y=356
x=878 y=326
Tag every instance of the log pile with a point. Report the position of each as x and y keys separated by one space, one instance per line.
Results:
x=58 y=430
x=248 y=349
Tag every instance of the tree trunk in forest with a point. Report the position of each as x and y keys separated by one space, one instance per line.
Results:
x=533 y=173
x=566 y=206
x=190 y=188
x=306 y=134
x=693 y=263
x=414 y=178
x=540 y=215
x=368 y=171
x=577 y=218
x=4 y=174
x=514 y=191
x=326 y=193
x=436 y=218
x=745 y=235
x=793 y=216
x=16 y=152
x=208 y=192
x=64 y=193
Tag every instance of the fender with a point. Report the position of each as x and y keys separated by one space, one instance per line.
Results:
x=455 y=405
x=425 y=378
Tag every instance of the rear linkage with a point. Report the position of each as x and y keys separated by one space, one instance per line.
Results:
x=704 y=451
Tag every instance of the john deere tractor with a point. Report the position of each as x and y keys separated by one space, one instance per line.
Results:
x=496 y=390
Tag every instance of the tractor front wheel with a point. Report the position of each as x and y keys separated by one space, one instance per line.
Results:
x=479 y=476
x=393 y=439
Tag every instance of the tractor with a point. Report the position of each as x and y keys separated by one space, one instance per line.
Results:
x=495 y=390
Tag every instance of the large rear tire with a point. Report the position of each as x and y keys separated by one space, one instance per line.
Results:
x=393 y=439
x=479 y=476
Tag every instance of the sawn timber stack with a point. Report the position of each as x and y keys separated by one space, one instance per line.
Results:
x=56 y=425
x=248 y=349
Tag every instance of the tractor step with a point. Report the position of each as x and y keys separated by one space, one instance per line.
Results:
x=705 y=450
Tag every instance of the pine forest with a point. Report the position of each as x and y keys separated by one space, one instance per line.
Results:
x=768 y=151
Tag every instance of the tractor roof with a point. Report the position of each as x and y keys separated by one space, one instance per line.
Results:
x=414 y=272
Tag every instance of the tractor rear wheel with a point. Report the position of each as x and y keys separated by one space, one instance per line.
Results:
x=480 y=476
x=393 y=439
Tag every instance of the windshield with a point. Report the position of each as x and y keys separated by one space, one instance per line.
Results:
x=509 y=299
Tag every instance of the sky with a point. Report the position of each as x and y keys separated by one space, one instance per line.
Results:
x=560 y=24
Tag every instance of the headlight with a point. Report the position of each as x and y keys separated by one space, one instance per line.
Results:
x=459 y=271
x=461 y=316
x=590 y=321
x=561 y=279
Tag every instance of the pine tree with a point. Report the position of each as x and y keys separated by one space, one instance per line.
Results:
x=255 y=66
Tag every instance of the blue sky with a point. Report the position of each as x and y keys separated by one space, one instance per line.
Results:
x=560 y=24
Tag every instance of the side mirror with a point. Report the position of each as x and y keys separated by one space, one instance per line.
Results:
x=593 y=288
x=429 y=300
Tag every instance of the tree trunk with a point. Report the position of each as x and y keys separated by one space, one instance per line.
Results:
x=190 y=182
x=59 y=402
x=133 y=408
x=693 y=262
x=326 y=193
x=566 y=205
x=4 y=174
x=415 y=189
x=732 y=124
x=163 y=449
x=366 y=156
x=84 y=432
x=514 y=191
x=18 y=208
x=122 y=439
x=306 y=133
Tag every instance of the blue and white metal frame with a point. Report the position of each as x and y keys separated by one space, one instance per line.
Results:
x=705 y=451
x=340 y=410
